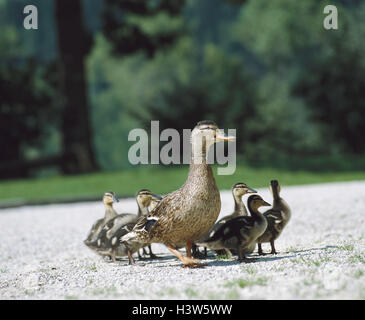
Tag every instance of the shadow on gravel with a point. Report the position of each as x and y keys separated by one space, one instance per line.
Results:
x=220 y=263
x=314 y=249
x=146 y=261
x=274 y=257
x=304 y=252
x=212 y=262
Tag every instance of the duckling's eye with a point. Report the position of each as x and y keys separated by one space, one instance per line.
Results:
x=207 y=128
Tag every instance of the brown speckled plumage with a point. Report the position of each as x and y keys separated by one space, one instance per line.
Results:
x=188 y=213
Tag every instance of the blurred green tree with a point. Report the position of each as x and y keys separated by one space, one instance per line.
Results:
x=319 y=71
x=133 y=33
x=24 y=105
x=257 y=70
x=217 y=86
x=141 y=25
x=333 y=84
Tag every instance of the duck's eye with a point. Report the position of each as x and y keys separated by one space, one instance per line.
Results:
x=207 y=128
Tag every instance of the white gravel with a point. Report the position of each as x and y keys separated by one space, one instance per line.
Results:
x=321 y=255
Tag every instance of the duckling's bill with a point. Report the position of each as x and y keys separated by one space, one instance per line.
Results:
x=156 y=197
x=221 y=136
x=265 y=204
x=250 y=190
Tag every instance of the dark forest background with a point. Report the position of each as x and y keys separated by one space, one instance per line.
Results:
x=71 y=91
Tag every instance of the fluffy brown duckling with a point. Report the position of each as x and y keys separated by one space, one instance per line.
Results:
x=277 y=218
x=107 y=241
x=108 y=200
x=238 y=191
x=155 y=200
x=239 y=233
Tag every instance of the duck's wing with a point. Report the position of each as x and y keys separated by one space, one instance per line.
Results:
x=210 y=234
x=224 y=219
x=115 y=227
x=228 y=229
x=161 y=215
x=274 y=216
x=230 y=234
x=98 y=235
x=122 y=230
x=119 y=221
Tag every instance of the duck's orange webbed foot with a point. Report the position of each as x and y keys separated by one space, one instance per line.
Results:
x=188 y=262
x=191 y=263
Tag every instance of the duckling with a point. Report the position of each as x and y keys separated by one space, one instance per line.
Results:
x=111 y=247
x=108 y=239
x=154 y=202
x=239 y=233
x=145 y=199
x=277 y=218
x=188 y=213
x=238 y=191
x=108 y=199
x=122 y=250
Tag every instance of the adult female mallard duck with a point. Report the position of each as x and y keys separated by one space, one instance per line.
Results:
x=277 y=218
x=238 y=191
x=108 y=239
x=188 y=213
x=108 y=199
x=239 y=233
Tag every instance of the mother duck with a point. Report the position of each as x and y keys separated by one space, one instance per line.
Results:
x=188 y=213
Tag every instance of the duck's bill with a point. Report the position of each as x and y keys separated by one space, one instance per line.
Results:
x=115 y=199
x=250 y=190
x=266 y=204
x=156 y=197
x=221 y=136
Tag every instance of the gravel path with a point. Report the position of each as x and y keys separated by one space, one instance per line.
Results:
x=321 y=255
